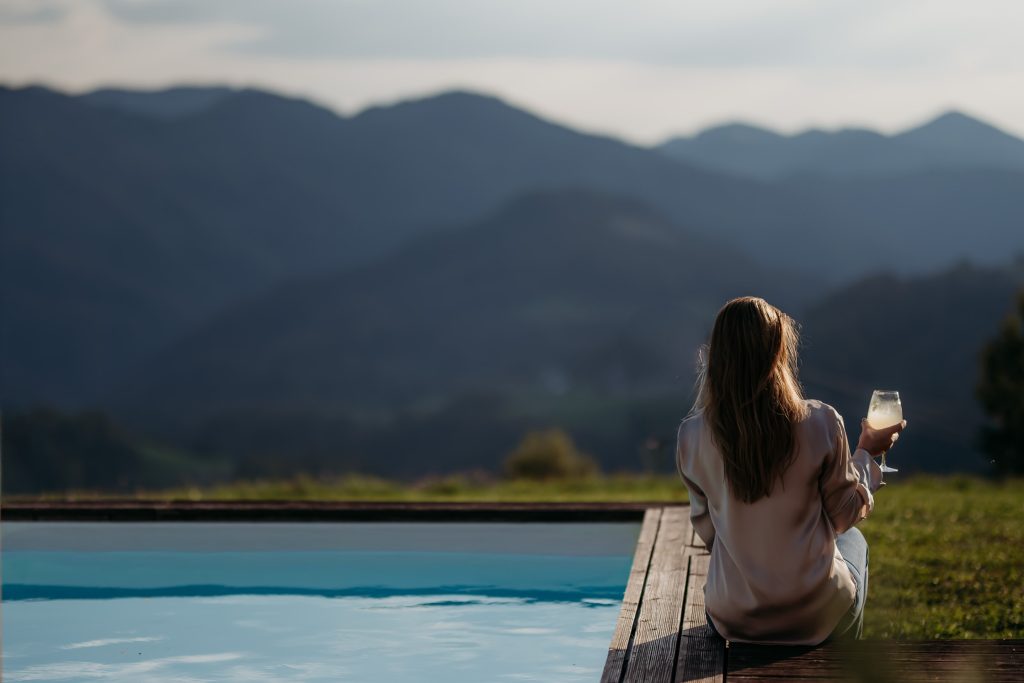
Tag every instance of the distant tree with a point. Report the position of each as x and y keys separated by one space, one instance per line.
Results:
x=548 y=454
x=1001 y=392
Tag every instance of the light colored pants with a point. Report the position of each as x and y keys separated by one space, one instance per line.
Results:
x=854 y=549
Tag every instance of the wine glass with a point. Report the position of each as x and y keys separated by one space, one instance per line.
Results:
x=885 y=410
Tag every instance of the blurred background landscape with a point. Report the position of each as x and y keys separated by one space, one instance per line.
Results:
x=204 y=284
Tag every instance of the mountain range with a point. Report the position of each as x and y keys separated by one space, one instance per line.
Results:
x=207 y=263
x=950 y=141
x=121 y=230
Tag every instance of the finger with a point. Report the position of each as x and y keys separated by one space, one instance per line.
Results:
x=896 y=428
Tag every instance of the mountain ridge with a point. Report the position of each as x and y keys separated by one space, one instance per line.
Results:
x=950 y=139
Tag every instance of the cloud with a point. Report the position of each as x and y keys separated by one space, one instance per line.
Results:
x=87 y=44
x=886 y=33
x=30 y=12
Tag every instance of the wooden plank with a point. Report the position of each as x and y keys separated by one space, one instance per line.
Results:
x=653 y=652
x=614 y=666
x=695 y=623
x=701 y=653
x=881 y=661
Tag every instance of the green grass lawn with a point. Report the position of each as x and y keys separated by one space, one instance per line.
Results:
x=947 y=554
x=946 y=559
x=453 y=488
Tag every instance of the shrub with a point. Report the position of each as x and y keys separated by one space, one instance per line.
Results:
x=548 y=454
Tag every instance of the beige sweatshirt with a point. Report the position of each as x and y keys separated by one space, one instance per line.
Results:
x=775 y=574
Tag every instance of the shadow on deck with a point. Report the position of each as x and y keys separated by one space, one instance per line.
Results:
x=662 y=634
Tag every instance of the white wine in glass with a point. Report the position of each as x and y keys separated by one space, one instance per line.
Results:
x=885 y=410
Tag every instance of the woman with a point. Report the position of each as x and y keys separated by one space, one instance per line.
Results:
x=774 y=491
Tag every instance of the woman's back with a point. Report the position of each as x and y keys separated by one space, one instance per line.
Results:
x=775 y=573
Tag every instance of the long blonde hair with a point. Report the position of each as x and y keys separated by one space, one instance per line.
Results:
x=750 y=395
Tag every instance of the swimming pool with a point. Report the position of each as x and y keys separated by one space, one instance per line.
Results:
x=191 y=602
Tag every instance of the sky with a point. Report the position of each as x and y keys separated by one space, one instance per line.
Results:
x=642 y=70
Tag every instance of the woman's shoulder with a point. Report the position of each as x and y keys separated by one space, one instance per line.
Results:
x=821 y=413
x=690 y=429
x=694 y=421
x=819 y=409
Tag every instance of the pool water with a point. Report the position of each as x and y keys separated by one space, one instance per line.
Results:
x=354 y=602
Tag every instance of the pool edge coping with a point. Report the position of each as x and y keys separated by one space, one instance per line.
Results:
x=324 y=511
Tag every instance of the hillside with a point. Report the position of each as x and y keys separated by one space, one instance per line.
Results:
x=554 y=292
x=556 y=300
x=912 y=224
x=118 y=234
x=229 y=414
x=921 y=336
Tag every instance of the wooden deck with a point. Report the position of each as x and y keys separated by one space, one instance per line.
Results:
x=662 y=634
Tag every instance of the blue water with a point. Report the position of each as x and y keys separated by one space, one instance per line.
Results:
x=311 y=602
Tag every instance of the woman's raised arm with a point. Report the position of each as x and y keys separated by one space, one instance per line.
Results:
x=848 y=482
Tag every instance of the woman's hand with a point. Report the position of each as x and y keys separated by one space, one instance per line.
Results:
x=878 y=441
